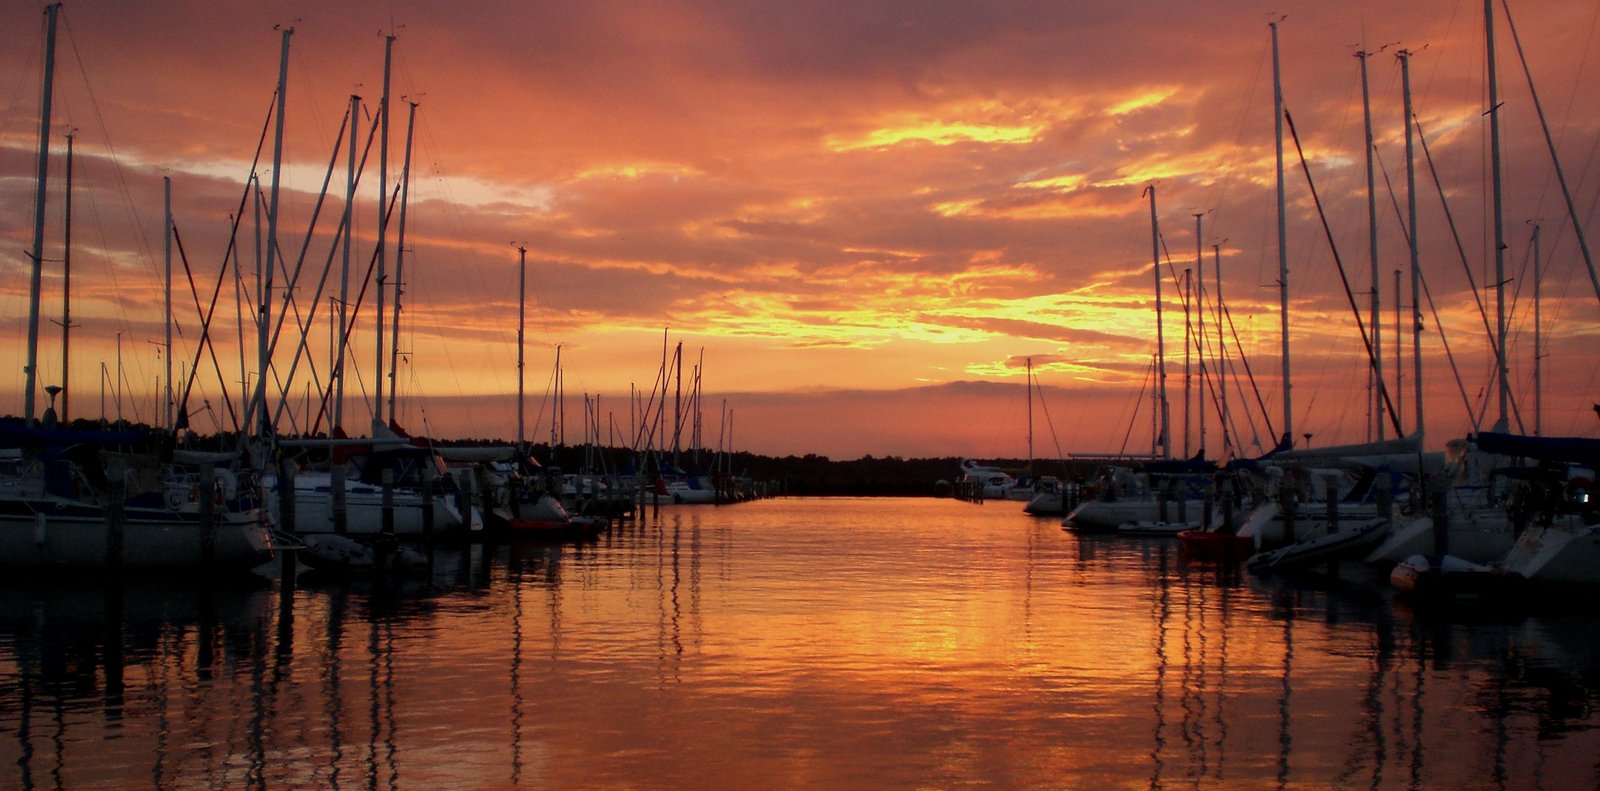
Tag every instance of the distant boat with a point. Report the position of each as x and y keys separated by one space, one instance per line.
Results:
x=995 y=484
x=1049 y=497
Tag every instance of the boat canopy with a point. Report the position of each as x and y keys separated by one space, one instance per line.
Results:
x=1570 y=450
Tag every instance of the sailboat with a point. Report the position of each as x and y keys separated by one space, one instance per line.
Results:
x=104 y=499
x=1121 y=494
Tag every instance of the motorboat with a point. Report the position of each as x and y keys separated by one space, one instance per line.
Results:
x=992 y=482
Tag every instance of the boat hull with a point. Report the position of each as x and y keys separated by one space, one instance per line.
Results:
x=1450 y=577
x=1567 y=553
x=51 y=534
x=313 y=508
x=1105 y=516
x=1482 y=536
x=1351 y=542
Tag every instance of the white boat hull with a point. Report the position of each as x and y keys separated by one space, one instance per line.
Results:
x=1482 y=536
x=1567 y=553
x=61 y=533
x=1108 y=515
x=313 y=508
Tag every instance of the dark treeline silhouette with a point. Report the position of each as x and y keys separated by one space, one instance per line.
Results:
x=806 y=476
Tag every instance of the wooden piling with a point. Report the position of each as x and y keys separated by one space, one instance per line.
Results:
x=116 y=521
x=387 y=479
x=207 y=496
x=339 y=504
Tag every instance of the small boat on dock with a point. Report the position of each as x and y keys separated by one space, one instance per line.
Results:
x=1350 y=542
x=545 y=518
x=1156 y=528
x=334 y=553
x=1447 y=577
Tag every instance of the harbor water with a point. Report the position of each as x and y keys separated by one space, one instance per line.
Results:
x=793 y=643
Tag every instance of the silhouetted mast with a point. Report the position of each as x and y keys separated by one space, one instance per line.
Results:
x=1502 y=369
x=1376 y=399
x=383 y=220
x=522 y=297
x=1283 y=234
x=37 y=255
x=1411 y=221
x=66 y=293
x=400 y=260
x=1163 y=414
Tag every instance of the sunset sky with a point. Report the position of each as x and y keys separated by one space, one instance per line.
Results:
x=865 y=216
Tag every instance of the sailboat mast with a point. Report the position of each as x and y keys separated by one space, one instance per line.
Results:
x=1502 y=369
x=699 y=370
x=1222 y=355
x=166 y=238
x=1030 y=418
x=66 y=293
x=400 y=259
x=344 y=275
x=264 y=314
x=1188 y=346
x=1538 y=349
x=1411 y=222
x=555 y=403
x=1283 y=234
x=36 y=279
x=1163 y=416
x=1200 y=324
x=1399 y=356
x=383 y=220
x=677 y=402
x=522 y=301
x=1372 y=255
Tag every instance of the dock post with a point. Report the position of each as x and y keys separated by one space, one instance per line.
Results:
x=387 y=477
x=427 y=508
x=1331 y=483
x=286 y=519
x=116 y=521
x=1441 y=521
x=207 y=497
x=338 y=502
x=1287 y=505
x=1227 y=506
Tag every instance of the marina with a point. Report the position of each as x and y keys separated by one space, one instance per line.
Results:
x=311 y=539
x=794 y=642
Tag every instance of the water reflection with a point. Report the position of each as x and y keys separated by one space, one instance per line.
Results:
x=791 y=643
